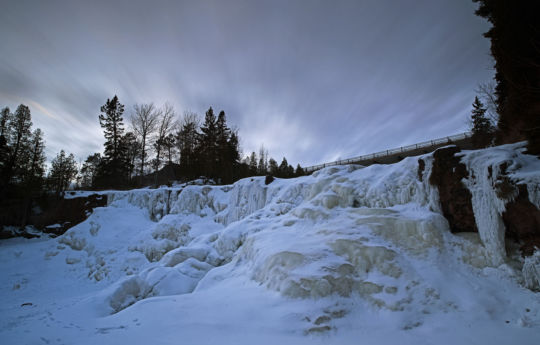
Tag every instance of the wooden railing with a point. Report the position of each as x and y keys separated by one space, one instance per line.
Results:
x=404 y=151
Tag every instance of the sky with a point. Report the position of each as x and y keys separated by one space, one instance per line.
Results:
x=313 y=81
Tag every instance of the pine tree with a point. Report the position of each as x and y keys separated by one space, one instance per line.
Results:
x=273 y=168
x=207 y=145
x=299 y=171
x=284 y=168
x=233 y=158
x=18 y=138
x=131 y=149
x=5 y=118
x=482 y=129
x=63 y=171
x=187 y=143
x=35 y=162
x=89 y=170
x=113 y=170
x=169 y=143
x=262 y=167
x=253 y=163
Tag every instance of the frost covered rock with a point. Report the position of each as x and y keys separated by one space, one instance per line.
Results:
x=531 y=271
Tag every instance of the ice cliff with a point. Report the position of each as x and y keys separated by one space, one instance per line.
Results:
x=346 y=230
x=339 y=249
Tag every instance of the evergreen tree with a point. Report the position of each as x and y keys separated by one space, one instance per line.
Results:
x=233 y=158
x=481 y=125
x=299 y=171
x=89 y=171
x=18 y=139
x=273 y=168
x=283 y=170
x=113 y=170
x=253 y=164
x=515 y=38
x=207 y=145
x=63 y=171
x=131 y=149
x=262 y=167
x=169 y=143
x=187 y=143
x=35 y=162
x=223 y=134
x=5 y=118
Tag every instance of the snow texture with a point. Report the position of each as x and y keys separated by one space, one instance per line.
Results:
x=347 y=253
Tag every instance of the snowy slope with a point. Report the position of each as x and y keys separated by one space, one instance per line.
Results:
x=347 y=255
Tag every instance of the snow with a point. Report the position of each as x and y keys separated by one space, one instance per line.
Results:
x=349 y=254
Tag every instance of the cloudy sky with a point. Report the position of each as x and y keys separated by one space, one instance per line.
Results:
x=311 y=80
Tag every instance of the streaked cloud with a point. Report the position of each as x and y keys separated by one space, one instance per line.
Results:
x=311 y=80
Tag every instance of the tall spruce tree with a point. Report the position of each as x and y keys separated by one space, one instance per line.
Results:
x=207 y=145
x=89 y=170
x=113 y=170
x=481 y=126
x=18 y=133
x=187 y=143
x=515 y=41
x=35 y=162
x=233 y=158
x=63 y=171
x=252 y=162
x=131 y=149
x=273 y=168
x=5 y=118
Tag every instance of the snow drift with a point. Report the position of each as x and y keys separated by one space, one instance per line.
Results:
x=352 y=240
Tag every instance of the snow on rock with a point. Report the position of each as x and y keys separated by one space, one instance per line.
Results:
x=489 y=170
x=346 y=248
x=531 y=271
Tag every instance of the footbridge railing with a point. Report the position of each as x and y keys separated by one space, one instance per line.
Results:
x=399 y=153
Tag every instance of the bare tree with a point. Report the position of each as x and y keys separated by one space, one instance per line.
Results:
x=166 y=124
x=144 y=122
x=486 y=93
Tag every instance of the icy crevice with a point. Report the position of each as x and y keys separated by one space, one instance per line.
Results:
x=531 y=271
x=494 y=174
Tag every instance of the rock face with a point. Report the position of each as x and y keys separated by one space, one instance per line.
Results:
x=49 y=215
x=66 y=213
x=522 y=221
x=446 y=175
x=502 y=203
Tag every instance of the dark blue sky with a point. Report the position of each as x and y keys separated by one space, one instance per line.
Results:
x=311 y=80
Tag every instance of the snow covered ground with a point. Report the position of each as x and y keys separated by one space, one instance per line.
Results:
x=348 y=255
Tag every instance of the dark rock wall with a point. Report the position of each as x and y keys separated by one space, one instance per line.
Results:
x=446 y=174
x=47 y=211
x=521 y=218
x=522 y=221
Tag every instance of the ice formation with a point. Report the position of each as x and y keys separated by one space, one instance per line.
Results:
x=346 y=233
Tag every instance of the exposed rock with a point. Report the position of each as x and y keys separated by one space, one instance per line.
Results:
x=446 y=175
x=522 y=221
x=421 y=168
x=50 y=215
x=269 y=179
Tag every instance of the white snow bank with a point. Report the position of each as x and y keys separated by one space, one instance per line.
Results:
x=351 y=252
x=488 y=170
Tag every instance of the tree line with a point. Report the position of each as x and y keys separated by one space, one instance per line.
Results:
x=158 y=147
x=22 y=158
x=153 y=148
